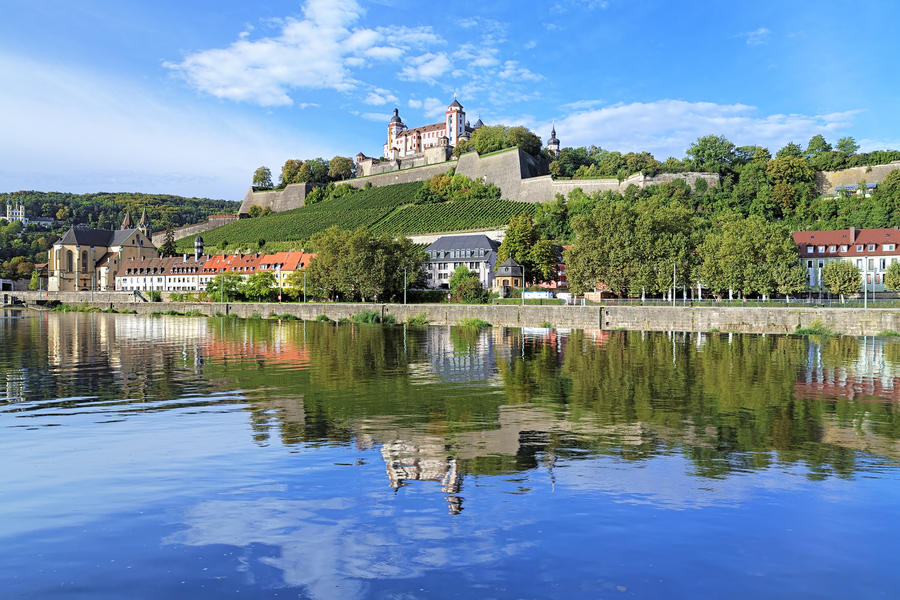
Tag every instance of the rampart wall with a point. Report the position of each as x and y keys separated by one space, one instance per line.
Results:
x=292 y=196
x=827 y=181
x=212 y=222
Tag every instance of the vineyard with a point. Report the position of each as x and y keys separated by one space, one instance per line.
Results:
x=384 y=210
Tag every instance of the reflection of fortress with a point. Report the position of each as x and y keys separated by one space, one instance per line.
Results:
x=426 y=460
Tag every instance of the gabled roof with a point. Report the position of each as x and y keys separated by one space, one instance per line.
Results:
x=846 y=237
x=84 y=236
x=463 y=242
x=289 y=261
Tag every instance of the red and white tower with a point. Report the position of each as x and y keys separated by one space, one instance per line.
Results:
x=455 y=121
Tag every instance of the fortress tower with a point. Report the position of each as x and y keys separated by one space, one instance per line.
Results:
x=553 y=143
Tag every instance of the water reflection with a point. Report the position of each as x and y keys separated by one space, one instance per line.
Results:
x=342 y=456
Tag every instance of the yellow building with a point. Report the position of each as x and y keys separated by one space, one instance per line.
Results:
x=509 y=276
x=87 y=259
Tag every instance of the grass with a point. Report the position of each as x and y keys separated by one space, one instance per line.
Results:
x=547 y=325
x=371 y=317
x=888 y=333
x=324 y=319
x=473 y=323
x=285 y=317
x=715 y=330
x=419 y=320
x=815 y=328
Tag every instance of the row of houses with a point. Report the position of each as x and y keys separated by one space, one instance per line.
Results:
x=872 y=251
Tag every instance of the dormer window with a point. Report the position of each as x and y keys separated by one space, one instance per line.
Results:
x=821 y=249
x=844 y=248
x=809 y=250
x=871 y=247
x=889 y=247
x=832 y=248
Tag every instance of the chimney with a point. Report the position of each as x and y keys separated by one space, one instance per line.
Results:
x=853 y=234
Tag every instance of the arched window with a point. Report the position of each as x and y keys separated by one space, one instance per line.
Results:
x=84 y=267
x=70 y=260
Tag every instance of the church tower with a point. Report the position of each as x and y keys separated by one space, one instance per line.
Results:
x=553 y=143
x=456 y=120
x=395 y=127
x=126 y=222
x=144 y=224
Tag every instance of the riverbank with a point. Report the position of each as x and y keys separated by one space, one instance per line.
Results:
x=778 y=320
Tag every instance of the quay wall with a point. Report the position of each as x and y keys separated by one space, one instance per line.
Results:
x=777 y=320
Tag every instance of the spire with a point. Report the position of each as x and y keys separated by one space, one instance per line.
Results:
x=143 y=222
x=126 y=222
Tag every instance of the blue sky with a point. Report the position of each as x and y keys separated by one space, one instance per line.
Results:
x=190 y=97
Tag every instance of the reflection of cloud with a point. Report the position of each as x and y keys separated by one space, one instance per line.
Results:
x=666 y=482
x=332 y=547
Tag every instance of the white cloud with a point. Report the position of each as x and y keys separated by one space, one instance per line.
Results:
x=379 y=97
x=757 y=37
x=318 y=51
x=413 y=103
x=512 y=70
x=375 y=116
x=75 y=131
x=530 y=44
x=426 y=67
x=433 y=107
x=477 y=56
x=669 y=127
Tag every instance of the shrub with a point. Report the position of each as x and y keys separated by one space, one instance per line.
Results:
x=419 y=320
x=324 y=319
x=369 y=317
x=815 y=328
x=474 y=323
x=285 y=317
x=889 y=332
x=547 y=325
x=155 y=296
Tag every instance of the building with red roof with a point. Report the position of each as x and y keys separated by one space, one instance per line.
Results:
x=871 y=250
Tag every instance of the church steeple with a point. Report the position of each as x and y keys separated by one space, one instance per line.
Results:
x=553 y=143
x=126 y=222
x=144 y=224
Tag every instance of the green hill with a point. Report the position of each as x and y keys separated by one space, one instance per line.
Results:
x=386 y=210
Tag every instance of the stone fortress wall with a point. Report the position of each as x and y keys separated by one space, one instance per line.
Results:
x=159 y=238
x=520 y=177
x=828 y=181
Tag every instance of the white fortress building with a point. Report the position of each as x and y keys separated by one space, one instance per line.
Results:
x=424 y=145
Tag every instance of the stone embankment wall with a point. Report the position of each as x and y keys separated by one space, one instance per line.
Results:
x=827 y=181
x=292 y=196
x=849 y=321
x=212 y=222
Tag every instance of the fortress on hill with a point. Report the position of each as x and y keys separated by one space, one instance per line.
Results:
x=419 y=153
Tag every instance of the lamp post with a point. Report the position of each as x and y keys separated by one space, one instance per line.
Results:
x=304 y=286
x=404 y=285
x=673 y=284
x=523 y=285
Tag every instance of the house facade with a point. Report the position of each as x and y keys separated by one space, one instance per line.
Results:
x=87 y=259
x=477 y=252
x=871 y=250
x=168 y=274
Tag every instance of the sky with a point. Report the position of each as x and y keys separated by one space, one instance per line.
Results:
x=189 y=98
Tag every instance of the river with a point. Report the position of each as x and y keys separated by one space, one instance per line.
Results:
x=186 y=457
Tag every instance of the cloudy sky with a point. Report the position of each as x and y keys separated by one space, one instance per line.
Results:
x=190 y=97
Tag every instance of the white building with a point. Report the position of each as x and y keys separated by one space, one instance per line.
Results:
x=871 y=250
x=403 y=142
x=476 y=252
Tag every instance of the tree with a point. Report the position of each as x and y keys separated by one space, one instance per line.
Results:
x=260 y=286
x=498 y=137
x=168 y=248
x=340 y=167
x=225 y=286
x=712 y=153
x=518 y=243
x=545 y=258
x=847 y=146
x=290 y=172
x=841 y=277
x=816 y=146
x=465 y=286
x=791 y=150
x=35 y=282
x=892 y=276
x=262 y=178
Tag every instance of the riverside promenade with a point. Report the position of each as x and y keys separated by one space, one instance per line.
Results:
x=848 y=321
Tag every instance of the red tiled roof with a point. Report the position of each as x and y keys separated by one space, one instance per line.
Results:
x=847 y=237
x=422 y=129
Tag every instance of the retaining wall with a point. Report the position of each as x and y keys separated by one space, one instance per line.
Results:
x=850 y=321
x=827 y=181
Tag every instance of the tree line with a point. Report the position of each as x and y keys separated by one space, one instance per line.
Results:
x=314 y=170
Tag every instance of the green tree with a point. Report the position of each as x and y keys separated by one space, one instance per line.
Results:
x=841 y=277
x=816 y=147
x=262 y=178
x=712 y=153
x=168 y=248
x=847 y=146
x=259 y=286
x=290 y=172
x=892 y=276
x=225 y=286
x=518 y=243
x=35 y=282
x=340 y=168
x=465 y=286
x=545 y=258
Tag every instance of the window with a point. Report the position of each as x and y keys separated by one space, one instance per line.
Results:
x=889 y=247
x=809 y=264
x=832 y=248
x=859 y=247
x=844 y=248
x=810 y=249
x=882 y=264
x=871 y=247
x=821 y=249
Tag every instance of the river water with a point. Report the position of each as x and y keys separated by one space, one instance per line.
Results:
x=181 y=457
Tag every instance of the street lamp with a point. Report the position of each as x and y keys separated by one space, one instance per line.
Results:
x=404 y=285
x=523 y=285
